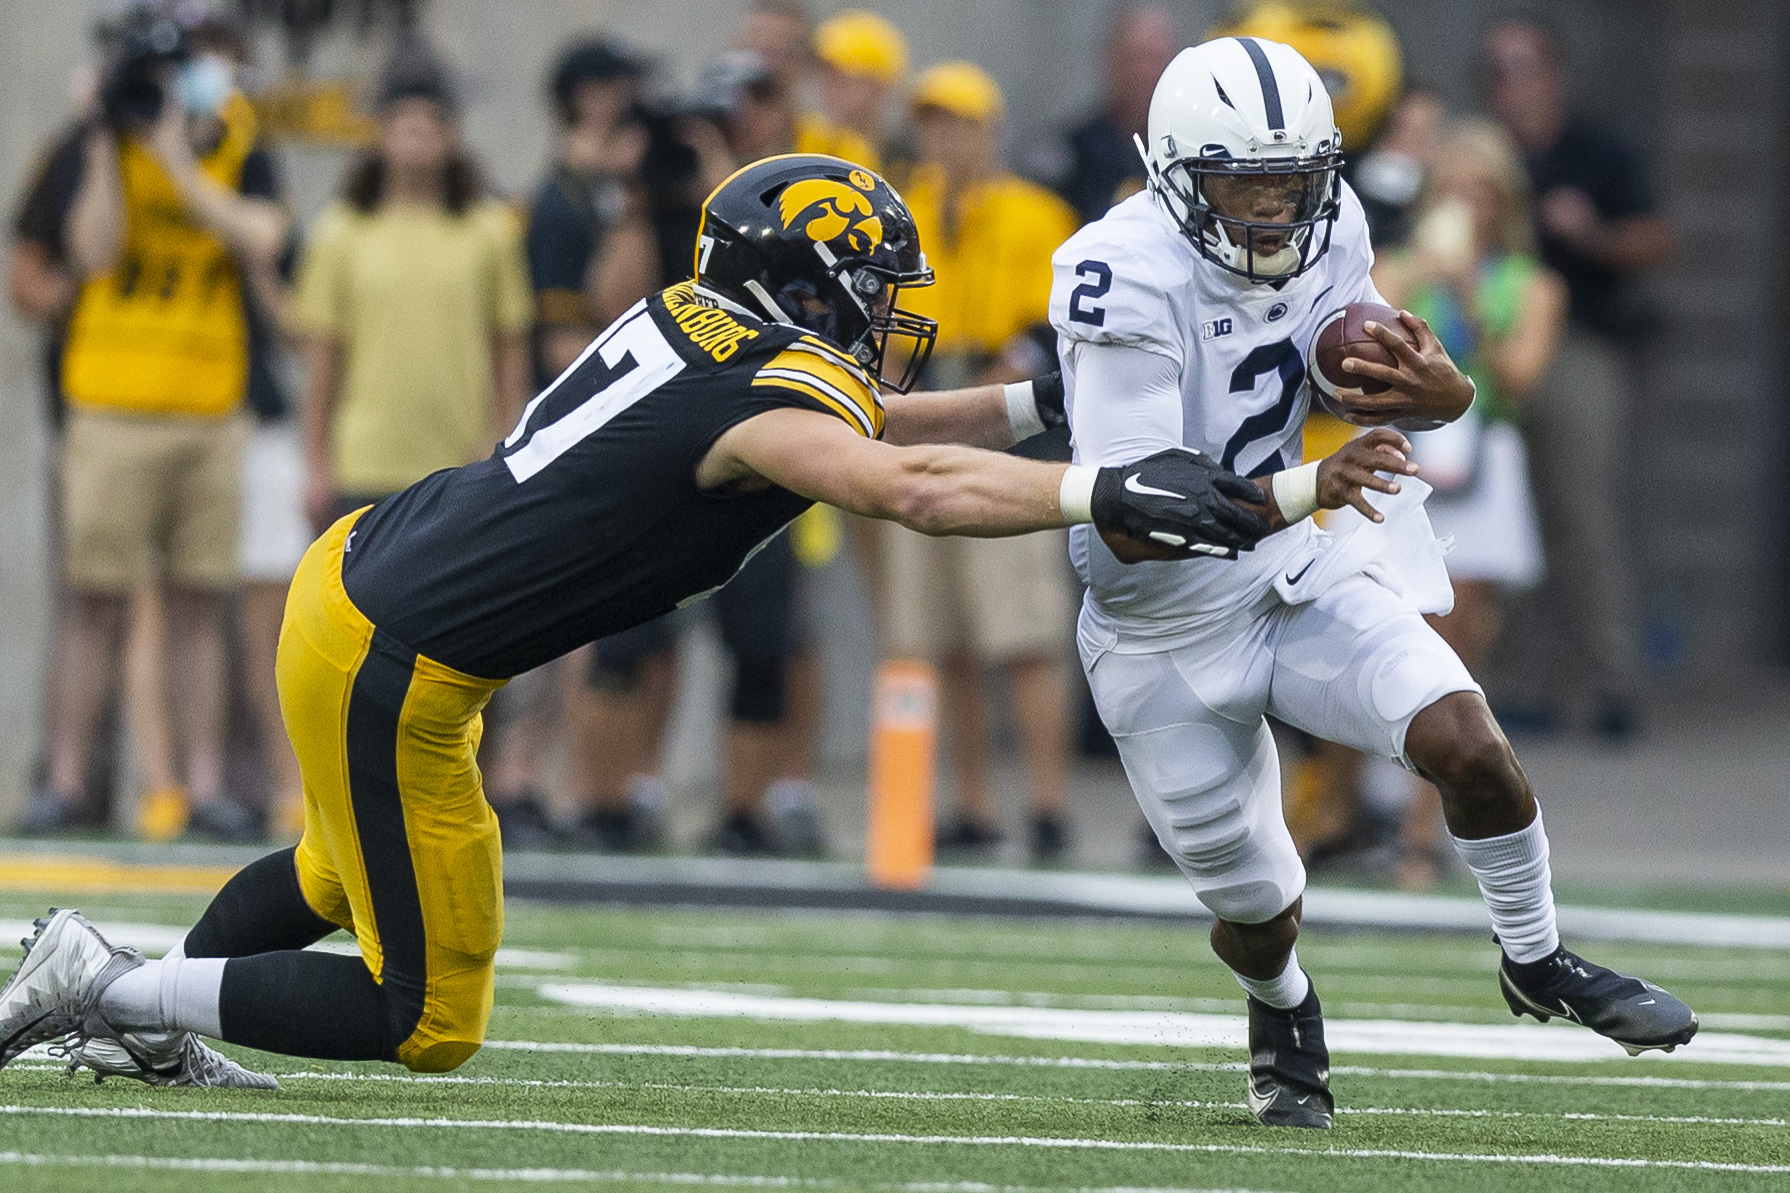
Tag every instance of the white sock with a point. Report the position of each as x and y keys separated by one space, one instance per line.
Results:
x=176 y=993
x=1284 y=992
x=1513 y=876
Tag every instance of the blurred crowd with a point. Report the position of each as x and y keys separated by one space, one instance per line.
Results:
x=225 y=383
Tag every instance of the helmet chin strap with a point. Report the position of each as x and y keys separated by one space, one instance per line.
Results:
x=776 y=313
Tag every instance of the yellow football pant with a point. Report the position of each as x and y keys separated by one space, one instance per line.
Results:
x=400 y=846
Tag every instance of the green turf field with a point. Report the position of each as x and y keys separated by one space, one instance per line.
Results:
x=994 y=1081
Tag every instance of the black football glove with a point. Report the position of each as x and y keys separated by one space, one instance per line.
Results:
x=1047 y=393
x=1180 y=498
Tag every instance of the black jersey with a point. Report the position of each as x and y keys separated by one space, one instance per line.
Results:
x=587 y=519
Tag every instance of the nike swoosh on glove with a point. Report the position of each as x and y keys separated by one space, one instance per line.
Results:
x=1180 y=498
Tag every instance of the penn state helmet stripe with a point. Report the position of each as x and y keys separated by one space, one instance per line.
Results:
x=1270 y=88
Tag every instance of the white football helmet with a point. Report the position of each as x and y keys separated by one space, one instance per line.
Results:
x=1240 y=108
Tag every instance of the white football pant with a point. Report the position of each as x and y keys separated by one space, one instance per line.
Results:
x=1353 y=666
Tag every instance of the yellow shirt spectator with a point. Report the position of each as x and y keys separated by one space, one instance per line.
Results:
x=413 y=296
x=163 y=332
x=993 y=267
x=816 y=134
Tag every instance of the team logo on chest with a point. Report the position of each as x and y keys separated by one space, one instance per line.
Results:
x=1276 y=311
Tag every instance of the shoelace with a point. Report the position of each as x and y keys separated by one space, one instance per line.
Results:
x=1601 y=982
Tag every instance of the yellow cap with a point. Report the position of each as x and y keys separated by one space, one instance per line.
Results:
x=1353 y=50
x=960 y=88
x=857 y=42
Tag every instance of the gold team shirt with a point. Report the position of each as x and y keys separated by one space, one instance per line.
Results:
x=413 y=296
x=163 y=332
x=993 y=268
x=816 y=134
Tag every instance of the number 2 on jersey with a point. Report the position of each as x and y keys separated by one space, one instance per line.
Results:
x=1102 y=273
x=630 y=361
x=1280 y=358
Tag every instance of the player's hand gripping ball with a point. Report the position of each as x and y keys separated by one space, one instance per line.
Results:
x=1343 y=335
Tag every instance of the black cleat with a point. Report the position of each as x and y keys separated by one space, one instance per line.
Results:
x=1636 y=1014
x=1289 y=1066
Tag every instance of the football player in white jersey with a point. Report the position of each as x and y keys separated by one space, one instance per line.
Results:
x=1184 y=317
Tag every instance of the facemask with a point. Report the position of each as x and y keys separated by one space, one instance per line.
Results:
x=203 y=84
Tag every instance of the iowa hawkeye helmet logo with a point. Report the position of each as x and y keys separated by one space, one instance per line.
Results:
x=833 y=209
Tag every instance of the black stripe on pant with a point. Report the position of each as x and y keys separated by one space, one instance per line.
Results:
x=321 y=1004
x=375 y=705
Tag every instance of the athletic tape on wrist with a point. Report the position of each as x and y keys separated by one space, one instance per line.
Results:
x=1022 y=411
x=1296 y=492
x=1075 y=496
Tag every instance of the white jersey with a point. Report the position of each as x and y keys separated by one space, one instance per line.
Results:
x=1132 y=280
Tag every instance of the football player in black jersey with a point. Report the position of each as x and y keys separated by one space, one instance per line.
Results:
x=686 y=436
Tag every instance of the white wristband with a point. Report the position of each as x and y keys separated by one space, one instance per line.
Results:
x=1296 y=492
x=1022 y=411
x=1075 y=496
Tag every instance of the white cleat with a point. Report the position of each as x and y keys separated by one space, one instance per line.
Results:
x=163 y=1058
x=67 y=966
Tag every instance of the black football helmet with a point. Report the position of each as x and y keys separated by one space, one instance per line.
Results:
x=820 y=243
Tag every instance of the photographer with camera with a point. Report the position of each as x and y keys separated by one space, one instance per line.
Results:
x=170 y=212
x=739 y=111
x=173 y=212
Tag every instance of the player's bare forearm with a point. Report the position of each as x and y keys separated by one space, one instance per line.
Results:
x=935 y=489
x=974 y=417
x=939 y=489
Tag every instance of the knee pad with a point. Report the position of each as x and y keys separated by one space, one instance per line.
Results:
x=1253 y=900
x=456 y=1011
x=758 y=695
x=442 y=1056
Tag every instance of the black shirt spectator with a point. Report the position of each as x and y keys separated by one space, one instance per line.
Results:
x=1613 y=175
x=1102 y=163
x=565 y=225
x=40 y=220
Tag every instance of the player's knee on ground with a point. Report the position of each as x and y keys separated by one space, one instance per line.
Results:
x=456 y=1012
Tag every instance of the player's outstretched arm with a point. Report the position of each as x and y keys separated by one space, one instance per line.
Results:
x=992 y=416
x=1176 y=499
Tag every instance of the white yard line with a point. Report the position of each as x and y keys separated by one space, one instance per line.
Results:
x=1515 y=1041
x=537 y=1175
x=899 y=1095
x=965 y=1096
x=1097 y=1062
x=1020 y=1141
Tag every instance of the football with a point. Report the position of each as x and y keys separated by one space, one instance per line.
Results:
x=1341 y=335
